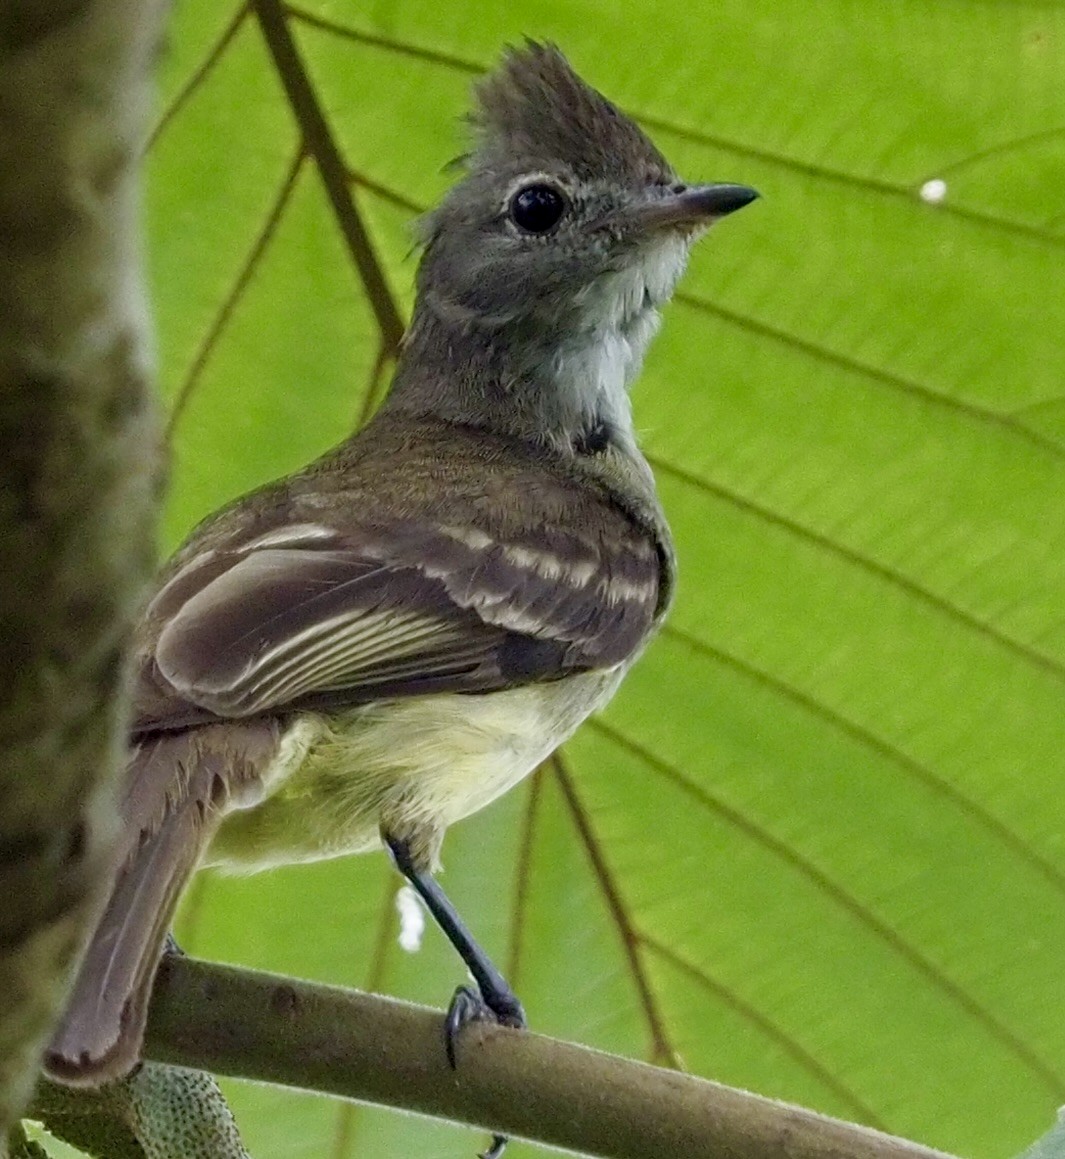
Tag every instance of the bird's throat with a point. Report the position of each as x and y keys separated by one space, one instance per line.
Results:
x=549 y=376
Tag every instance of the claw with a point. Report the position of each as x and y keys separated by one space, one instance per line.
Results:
x=496 y=1148
x=469 y=1005
x=466 y=1006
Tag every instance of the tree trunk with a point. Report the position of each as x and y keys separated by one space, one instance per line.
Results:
x=79 y=480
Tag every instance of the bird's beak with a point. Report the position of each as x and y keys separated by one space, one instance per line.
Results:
x=688 y=207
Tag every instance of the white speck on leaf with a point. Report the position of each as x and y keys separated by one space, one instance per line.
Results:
x=934 y=191
x=411 y=919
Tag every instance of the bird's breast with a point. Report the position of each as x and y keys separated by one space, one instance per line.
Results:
x=411 y=765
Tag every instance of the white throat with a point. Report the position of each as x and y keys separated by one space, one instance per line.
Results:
x=619 y=316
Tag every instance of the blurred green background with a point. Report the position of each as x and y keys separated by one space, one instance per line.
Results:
x=815 y=846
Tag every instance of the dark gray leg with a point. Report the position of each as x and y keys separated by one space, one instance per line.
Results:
x=493 y=998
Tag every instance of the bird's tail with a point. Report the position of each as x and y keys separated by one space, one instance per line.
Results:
x=180 y=785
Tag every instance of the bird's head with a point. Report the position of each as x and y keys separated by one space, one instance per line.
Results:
x=568 y=217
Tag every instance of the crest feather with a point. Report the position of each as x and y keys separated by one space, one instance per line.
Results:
x=534 y=109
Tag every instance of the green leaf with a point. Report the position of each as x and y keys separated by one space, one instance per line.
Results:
x=815 y=846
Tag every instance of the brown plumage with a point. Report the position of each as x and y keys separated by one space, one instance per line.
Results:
x=448 y=575
x=380 y=644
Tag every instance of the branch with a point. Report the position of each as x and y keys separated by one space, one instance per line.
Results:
x=78 y=480
x=320 y=143
x=360 y=1046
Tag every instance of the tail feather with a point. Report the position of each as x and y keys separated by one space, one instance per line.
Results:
x=192 y=777
x=101 y=1034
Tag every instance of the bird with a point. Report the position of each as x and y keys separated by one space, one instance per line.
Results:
x=366 y=651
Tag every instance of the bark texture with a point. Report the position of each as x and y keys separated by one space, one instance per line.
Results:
x=79 y=479
x=361 y=1046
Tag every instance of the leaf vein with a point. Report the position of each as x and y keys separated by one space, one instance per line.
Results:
x=198 y=75
x=868 y=739
x=849 y=904
x=662 y=1049
x=236 y=292
x=896 y=381
x=856 y=559
x=908 y=192
x=323 y=147
x=523 y=873
x=750 y=1013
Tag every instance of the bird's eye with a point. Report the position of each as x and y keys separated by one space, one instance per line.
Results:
x=537 y=208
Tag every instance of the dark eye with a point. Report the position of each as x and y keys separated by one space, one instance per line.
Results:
x=537 y=208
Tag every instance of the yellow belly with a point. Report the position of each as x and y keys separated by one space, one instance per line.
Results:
x=412 y=766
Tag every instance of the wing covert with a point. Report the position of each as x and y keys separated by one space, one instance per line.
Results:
x=318 y=615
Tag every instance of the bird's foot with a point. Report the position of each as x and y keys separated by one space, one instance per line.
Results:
x=469 y=1005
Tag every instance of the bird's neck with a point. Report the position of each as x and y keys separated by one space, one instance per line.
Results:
x=525 y=378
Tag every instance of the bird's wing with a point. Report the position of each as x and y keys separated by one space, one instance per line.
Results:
x=308 y=615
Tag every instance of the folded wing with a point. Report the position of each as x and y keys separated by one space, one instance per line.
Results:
x=367 y=613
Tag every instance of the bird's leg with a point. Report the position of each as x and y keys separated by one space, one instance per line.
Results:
x=495 y=998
